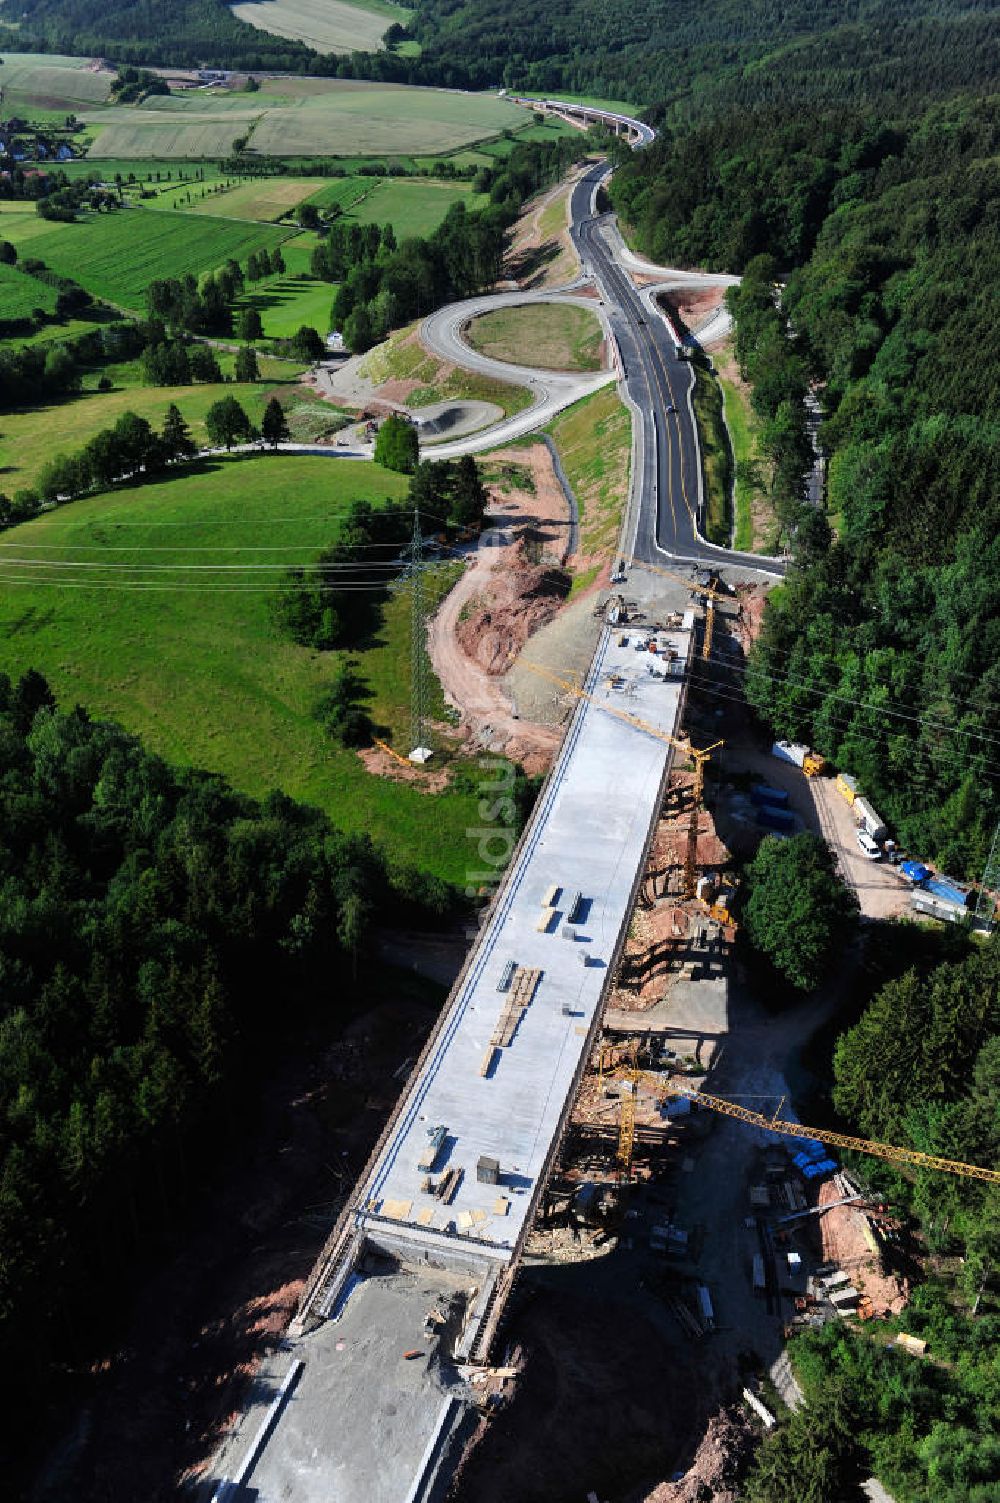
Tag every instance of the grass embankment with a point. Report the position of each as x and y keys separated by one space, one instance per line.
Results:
x=554 y=336
x=716 y=455
x=30 y=438
x=594 y=439
x=402 y=357
x=197 y=668
x=756 y=529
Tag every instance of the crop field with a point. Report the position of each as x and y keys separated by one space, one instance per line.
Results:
x=20 y=294
x=326 y=25
x=262 y=198
x=197 y=669
x=555 y=336
x=300 y=117
x=352 y=118
x=343 y=192
x=117 y=255
x=29 y=438
x=39 y=81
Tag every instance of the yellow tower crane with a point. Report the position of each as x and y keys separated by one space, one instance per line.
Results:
x=711 y=596
x=888 y=1151
x=698 y=755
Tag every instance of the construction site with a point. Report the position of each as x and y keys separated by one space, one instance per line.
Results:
x=599 y=1117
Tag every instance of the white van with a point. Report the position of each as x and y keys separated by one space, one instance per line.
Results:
x=868 y=847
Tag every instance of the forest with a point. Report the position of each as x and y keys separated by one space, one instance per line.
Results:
x=881 y=647
x=676 y=58
x=148 y=920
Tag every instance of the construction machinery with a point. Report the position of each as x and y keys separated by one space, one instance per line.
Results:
x=697 y=1097
x=710 y=593
x=698 y=755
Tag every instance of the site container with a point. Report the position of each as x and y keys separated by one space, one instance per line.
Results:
x=759 y=1280
x=847 y=786
x=790 y=751
x=705 y=1305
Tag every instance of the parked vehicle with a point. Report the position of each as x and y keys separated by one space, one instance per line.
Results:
x=868 y=847
x=811 y=762
x=869 y=820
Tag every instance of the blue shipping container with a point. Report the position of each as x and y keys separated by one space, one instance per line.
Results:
x=941 y=888
x=761 y=793
x=776 y=819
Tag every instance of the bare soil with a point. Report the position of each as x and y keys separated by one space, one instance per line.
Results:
x=693 y=307
x=843 y=1243
x=536 y=258
x=512 y=586
x=717 y=1466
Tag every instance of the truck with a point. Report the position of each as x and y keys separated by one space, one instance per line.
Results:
x=811 y=763
x=869 y=821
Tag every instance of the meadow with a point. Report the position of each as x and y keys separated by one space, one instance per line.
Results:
x=285 y=303
x=20 y=294
x=326 y=25
x=191 y=660
x=30 y=437
x=39 y=81
x=117 y=255
x=413 y=206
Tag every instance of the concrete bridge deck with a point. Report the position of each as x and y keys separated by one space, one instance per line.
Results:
x=588 y=835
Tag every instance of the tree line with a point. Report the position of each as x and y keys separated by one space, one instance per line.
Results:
x=158 y=933
x=692 y=61
x=132 y=451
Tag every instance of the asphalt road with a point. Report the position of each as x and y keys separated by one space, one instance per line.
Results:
x=441 y=333
x=658 y=386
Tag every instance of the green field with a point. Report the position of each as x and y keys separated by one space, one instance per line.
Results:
x=414 y=206
x=117 y=255
x=20 y=294
x=286 y=303
x=326 y=25
x=28 y=439
x=196 y=668
x=555 y=336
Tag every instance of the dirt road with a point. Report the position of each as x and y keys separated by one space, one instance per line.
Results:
x=881 y=893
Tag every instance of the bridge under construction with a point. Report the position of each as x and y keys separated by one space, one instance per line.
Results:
x=377 y=1381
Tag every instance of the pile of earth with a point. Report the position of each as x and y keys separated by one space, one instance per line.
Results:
x=521 y=596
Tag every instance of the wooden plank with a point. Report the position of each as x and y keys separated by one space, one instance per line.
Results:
x=425 y=1216
x=487 y=1061
x=398 y=1210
